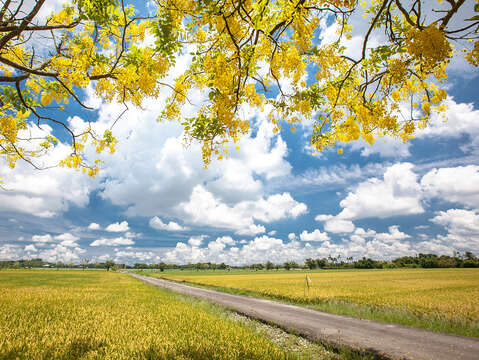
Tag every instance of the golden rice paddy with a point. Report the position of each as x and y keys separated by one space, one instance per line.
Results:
x=106 y=315
x=445 y=292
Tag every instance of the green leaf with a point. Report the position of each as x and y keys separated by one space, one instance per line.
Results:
x=474 y=18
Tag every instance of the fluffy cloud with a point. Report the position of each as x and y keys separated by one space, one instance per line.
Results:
x=316 y=235
x=112 y=242
x=118 y=227
x=336 y=226
x=392 y=236
x=135 y=255
x=265 y=248
x=196 y=240
x=263 y=243
x=398 y=193
x=388 y=147
x=61 y=253
x=322 y=217
x=42 y=238
x=67 y=240
x=157 y=223
x=48 y=192
x=335 y=176
x=220 y=244
x=461 y=121
x=10 y=252
x=459 y=184
x=257 y=250
x=164 y=173
x=462 y=230
x=67 y=237
x=227 y=240
x=457 y=221
x=204 y=209
x=382 y=245
x=251 y=230
x=30 y=248
x=94 y=226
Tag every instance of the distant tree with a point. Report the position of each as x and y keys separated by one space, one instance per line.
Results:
x=428 y=260
x=311 y=264
x=468 y=255
x=470 y=260
x=470 y=263
x=162 y=266
x=288 y=265
x=109 y=264
x=269 y=265
x=365 y=263
x=257 y=267
x=446 y=262
x=321 y=263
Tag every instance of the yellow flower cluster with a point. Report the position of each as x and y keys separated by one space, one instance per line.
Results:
x=429 y=47
x=11 y=122
x=473 y=55
x=104 y=51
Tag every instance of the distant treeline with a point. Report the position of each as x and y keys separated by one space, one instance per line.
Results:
x=39 y=263
x=466 y=260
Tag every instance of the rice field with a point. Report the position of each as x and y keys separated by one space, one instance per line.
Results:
x=106 y=315
x=438 y=299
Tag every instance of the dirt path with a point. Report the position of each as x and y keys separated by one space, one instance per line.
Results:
x=389 y=340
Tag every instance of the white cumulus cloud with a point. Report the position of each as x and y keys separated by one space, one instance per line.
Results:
x=94 y=226
x=204 y=209
x=398 y=193
x=157 y=223
x=336 y=226
x=457 y=184
x=316 y=235
x=118 y=227
x=112 y=242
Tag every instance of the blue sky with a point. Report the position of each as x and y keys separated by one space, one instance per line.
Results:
x=271 y=200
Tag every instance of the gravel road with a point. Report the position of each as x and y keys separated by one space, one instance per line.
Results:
x=387 y=340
